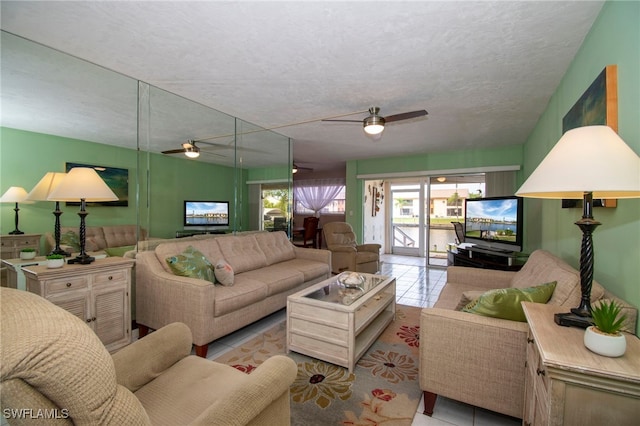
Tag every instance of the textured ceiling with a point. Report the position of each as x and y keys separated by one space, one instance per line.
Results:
x=483 y=70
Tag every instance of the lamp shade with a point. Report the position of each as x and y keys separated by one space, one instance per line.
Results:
x=82 y=183
x=47 y=184
x=14 y=194
x=586 y=159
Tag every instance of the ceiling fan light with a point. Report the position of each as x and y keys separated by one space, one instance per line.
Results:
x=192 y=152
x=374 y=125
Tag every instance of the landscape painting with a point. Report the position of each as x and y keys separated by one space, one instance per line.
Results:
x=598 y=105
x=117 y=179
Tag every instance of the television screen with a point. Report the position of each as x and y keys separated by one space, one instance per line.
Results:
x=494 y=223
x=206 y=213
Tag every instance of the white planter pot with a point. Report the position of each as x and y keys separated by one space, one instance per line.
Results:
x=55 y=263
x=605 y=344
x=26 y=255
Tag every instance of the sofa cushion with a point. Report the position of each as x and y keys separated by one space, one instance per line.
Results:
x=366 y=257
x=118 y=251
x=244 y=292
x=276 y=246
x=468 y=297
x=70 y=239
x=278 y=278
x=543 y=267
x=242 y=253
x=311 y=269
x=223 y=272
x=191 y=263
x=505 y=302
x=208 y=247
x=121 y=235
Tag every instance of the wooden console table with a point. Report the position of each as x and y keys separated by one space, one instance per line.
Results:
x=98 y=293
x=567 y=384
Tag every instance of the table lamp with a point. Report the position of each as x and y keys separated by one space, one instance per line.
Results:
x=15 y=194
x=587 y=162
x=41 y=192
x=83 y=184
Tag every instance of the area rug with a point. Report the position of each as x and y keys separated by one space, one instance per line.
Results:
x=382 y=390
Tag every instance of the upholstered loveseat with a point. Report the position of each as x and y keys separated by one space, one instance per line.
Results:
x=55 y=370
x=480 y=360
x=266 y=267
x=98 y=238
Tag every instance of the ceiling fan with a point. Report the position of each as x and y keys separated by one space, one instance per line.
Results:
x=189 y=149
x=296 y=168
x=374 y=123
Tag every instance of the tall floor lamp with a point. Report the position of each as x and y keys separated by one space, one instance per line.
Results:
x=82 y=184
x=15 y=194
x=41 y=192
x=587 y=162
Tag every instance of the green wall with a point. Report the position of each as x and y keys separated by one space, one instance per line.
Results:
x=613 y=39
x=452 y=160
x=25 y=157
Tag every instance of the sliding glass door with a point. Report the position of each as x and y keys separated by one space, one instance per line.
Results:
x=445 y=205
x=423 y=211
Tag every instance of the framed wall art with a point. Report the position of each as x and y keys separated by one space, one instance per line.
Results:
x=597 y=105
x=117 y=179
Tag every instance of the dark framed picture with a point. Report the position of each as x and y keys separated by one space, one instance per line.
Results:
x=116 y=178
x=597 y=105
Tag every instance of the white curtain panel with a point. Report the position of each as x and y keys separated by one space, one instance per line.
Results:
x=315 y=194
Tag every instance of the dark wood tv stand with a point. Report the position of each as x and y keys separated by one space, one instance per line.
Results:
x=477 y=257
x=182 y=234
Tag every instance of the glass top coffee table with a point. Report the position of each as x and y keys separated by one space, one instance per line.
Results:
x=338 y=324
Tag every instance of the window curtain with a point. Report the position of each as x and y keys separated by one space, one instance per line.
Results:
x=498 y=184
x=315 y=194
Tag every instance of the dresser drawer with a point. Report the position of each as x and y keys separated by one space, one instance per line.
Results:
x=112 y=276
x=56 y=286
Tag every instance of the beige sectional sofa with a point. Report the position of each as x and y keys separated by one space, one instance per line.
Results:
x=98 y=238
x=480 y=360
x=267 y=268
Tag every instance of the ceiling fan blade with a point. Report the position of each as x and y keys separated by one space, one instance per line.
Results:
x=173 y=151
x=405 y=116
x=346 y=121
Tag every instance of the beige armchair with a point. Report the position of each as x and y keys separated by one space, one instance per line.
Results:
x=346 y=255
x=53 y=364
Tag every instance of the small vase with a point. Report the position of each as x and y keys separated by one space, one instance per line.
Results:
x=605 y=344
x=55 y=263
x=26 y=255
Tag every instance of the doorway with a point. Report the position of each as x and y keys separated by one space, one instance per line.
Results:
x=422 y=212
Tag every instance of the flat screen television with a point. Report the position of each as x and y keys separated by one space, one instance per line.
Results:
x=494 y=223
x=206 y=213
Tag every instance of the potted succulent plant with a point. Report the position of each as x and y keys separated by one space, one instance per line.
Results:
x=27 y=253
x=55 y=261
x=604 y=336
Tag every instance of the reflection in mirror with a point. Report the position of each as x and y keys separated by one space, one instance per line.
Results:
x=59 y=109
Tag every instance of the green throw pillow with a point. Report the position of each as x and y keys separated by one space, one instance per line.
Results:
x=192 y=263
x=70 y=239
x=118 y=251
x=505 y=302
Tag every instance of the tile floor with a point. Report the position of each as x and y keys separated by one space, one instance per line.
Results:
x=416 y=285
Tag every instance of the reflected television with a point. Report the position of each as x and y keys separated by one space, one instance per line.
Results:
x=494 y=223
x=206 y=213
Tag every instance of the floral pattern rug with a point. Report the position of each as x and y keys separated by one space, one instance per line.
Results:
x=382 y=390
